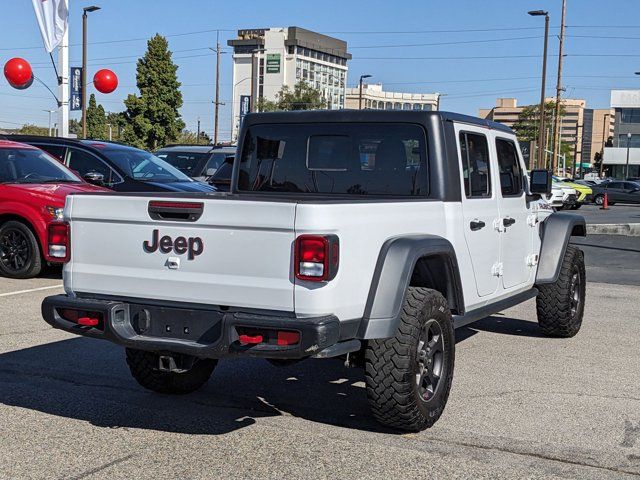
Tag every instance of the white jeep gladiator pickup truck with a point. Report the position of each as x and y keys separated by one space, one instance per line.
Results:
x=369 y=235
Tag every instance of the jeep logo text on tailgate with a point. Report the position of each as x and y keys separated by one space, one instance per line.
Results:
x=194 y=246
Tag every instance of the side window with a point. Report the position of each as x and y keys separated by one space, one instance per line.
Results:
x=510 y=170
x=614 y=185
x=476 y=170
x=56 y=151
x=83 y=163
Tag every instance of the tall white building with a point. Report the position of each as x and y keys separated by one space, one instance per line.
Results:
x=265 y=60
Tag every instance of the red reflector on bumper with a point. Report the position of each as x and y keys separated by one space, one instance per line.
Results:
x=250 y=339
x=88 y=322
x=288 y=338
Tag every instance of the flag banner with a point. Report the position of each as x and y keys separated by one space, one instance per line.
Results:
x=52 y=16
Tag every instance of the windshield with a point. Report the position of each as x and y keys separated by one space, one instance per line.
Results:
x=21 y=165
x=187 y=162
x=144 y=166
x=335 y=158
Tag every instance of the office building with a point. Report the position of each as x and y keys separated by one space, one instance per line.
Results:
x=507 y=112
x=265 y=60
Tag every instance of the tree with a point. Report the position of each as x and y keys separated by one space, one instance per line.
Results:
x=152 y=117
x=187 y=137
x=303 y=97
x=30 y=129
x=96 y=120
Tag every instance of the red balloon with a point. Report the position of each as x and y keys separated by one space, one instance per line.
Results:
x=18 y=73
x=105 y=81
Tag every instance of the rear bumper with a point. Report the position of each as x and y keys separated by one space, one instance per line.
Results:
x=193 y=331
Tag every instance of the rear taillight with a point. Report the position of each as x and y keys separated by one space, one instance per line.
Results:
x=316 y=257
x=59 y=241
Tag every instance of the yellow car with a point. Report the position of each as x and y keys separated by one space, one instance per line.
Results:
x=585 y=194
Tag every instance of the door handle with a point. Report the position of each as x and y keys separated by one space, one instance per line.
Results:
x=508 y=221
x=476 y=225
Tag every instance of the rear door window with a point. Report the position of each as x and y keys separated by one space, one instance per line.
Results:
x=476 y=168
x=357 y=159
x=510 y=170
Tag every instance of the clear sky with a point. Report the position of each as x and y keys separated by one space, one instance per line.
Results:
x=471 y=50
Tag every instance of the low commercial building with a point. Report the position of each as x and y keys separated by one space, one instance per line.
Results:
x=374 y=97
x=625 y=149
x=267 y=59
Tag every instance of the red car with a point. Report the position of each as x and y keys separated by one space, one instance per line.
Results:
x=33 y=189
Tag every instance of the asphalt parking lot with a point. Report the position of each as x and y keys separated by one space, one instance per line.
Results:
x=521 y=406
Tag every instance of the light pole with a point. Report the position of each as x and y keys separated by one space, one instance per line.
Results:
x=362 y=77
x=626 y=168
x=50 y=112
x=541 y=143
x=85 y=11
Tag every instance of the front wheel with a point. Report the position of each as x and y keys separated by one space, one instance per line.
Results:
x=20 y=255
x=560 y=305
x=409 y=376
x=145 y=368
x=599 y=200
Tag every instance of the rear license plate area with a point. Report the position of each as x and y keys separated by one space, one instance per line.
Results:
x=202 y=326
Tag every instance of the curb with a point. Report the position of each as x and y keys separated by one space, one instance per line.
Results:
x=628 y=229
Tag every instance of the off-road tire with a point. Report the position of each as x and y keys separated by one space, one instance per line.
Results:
x=144 y=368
x=34 y=263
x=558 y=314
x=391 y=365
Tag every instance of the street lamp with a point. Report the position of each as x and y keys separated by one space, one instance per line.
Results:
x=626 y=169
x=541 y=140
x=85 y=11
x=50 y=112
x=362 y=77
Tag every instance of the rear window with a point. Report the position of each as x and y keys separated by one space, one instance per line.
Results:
x=335 y=158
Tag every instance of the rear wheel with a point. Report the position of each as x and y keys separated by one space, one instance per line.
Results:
x=145 y=368
x=409 y=376
x=560 y=305
x=20 y=255
x=576 y=206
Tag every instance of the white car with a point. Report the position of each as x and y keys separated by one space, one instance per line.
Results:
x=364 y=234
x=562 y=197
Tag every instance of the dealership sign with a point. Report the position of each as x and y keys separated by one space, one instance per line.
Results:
x=75 y=102
x=245 y=106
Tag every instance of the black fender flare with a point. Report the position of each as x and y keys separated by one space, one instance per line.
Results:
x=556 y=232
x=394 y=267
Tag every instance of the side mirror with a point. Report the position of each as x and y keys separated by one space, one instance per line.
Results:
x=95 y=178
x=210 y=171
x=540 y=181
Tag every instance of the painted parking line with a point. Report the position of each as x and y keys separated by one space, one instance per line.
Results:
x=19 y=292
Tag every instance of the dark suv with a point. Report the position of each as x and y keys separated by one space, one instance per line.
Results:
x=118 y=167
x=200 y=162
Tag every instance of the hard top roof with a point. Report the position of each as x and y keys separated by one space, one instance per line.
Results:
x=392 y=116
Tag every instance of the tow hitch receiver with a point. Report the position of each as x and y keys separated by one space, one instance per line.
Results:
x=168 y=364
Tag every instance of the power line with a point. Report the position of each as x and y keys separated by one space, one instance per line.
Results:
x=462 y=42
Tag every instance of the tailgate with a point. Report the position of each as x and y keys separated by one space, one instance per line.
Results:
x=237 y=253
